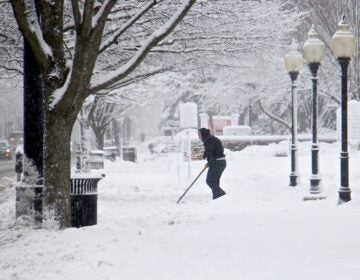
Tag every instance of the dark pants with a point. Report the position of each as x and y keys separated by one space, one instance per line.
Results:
x=216 y=168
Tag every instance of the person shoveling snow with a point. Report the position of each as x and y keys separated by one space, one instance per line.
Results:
x=216 y=163
x=214 y=154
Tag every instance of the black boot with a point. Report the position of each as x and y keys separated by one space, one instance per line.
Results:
x=218 y=193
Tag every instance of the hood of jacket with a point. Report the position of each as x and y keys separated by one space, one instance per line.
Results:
x=204 y=132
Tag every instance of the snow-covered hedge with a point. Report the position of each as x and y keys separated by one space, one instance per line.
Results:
x=238 y=143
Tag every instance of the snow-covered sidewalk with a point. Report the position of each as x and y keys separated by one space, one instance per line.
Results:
x=262 y=229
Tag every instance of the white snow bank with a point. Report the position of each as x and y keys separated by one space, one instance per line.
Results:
x=262 y=228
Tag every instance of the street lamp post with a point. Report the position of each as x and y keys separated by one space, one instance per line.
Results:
x=293 y=62
x=314 y=53
x=343 y=46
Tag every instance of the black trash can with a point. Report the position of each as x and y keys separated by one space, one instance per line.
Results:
x=83 y=201
x=129 y=153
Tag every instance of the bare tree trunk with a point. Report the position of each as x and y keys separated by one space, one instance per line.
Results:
x=66 y=87
x=57 y=169
x=100 y=136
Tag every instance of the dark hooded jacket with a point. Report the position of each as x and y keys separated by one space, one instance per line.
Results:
x=212 y=145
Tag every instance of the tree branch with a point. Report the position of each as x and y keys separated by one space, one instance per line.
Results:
x=39 y=47
x=132 y=20
x=18 y=70
x=156 y=37
x=100 y=17
x=132 y=80
x=275 y=118
x=76 y=14
x=86 y=22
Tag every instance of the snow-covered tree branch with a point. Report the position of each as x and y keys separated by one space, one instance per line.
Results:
x=29 y=25
x=69 y=59
x=156 y=37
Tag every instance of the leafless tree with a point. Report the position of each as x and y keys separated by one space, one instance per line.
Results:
x=67 y=43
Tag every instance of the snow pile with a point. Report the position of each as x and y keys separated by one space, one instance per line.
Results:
x=6 y=183
x=262 y=228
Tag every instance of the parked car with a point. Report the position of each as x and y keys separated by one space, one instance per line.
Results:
x=5 y=150
x=15 y=138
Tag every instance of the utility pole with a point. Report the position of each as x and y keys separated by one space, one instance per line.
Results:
x=29 y=193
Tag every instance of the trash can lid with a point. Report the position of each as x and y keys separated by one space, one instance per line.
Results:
x=89 y=175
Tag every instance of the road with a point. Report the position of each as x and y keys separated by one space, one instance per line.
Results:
x=7 y=168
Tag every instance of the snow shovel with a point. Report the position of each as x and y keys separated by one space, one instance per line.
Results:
x=193 y=182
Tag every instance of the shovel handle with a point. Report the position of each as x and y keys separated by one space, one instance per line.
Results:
x=193 y=182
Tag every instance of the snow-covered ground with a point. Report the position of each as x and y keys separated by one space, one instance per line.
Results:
x=262 y=229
